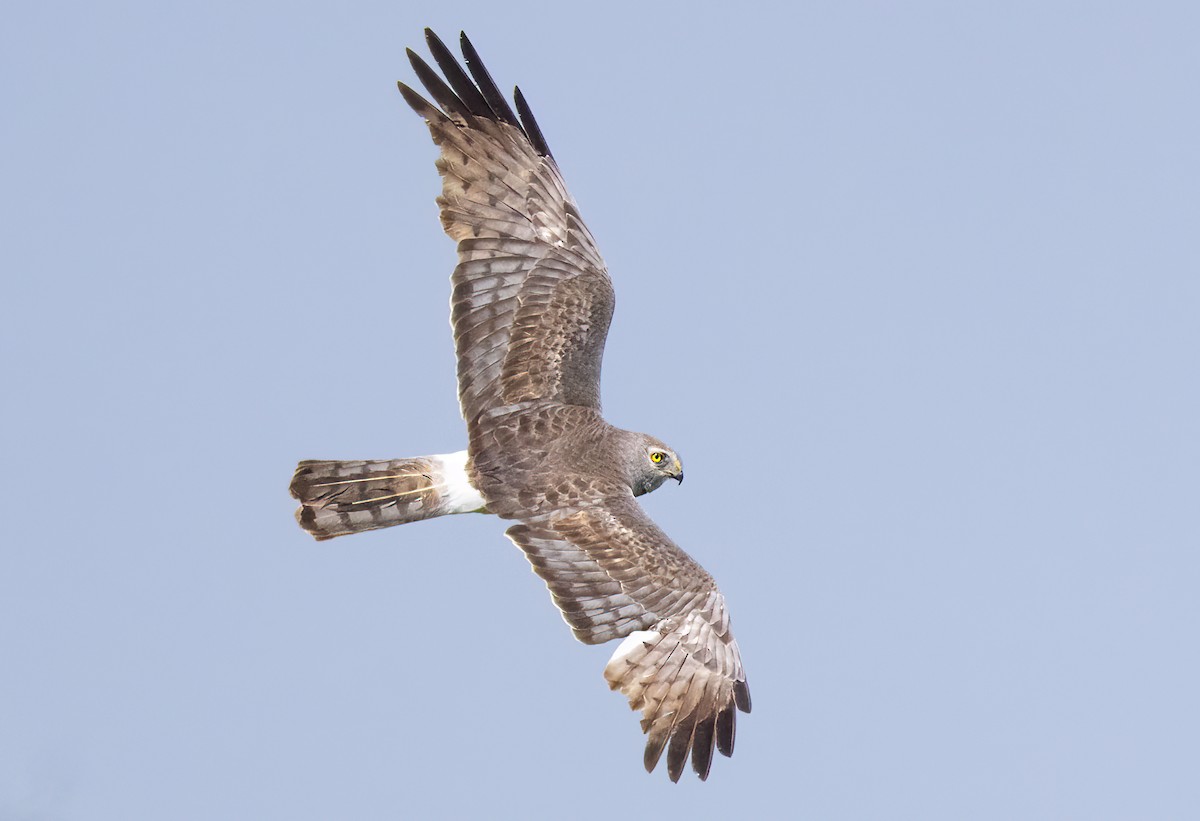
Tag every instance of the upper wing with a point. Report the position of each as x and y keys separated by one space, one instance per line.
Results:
x=532 y=300
x=613 y=573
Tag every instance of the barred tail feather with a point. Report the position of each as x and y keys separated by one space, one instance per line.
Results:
x=342 y=497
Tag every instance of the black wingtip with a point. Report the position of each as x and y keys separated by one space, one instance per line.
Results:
x=703 y=742
x=463 y=96
x=456 y=77
x=487 y=86
x=741 y=695
x=654 y=751
x=415 y=101
x=726 y=731
x=678 y=748
x=437 y=88
x=532 y=129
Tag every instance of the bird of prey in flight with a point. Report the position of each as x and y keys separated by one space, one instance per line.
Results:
x=531 y=305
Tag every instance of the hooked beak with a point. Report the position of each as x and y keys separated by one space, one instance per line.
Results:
x=678 y=475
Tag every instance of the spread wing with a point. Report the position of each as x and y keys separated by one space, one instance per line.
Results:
x=613 y=573
x=532 y=300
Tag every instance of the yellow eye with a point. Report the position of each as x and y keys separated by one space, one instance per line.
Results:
x=657 y=456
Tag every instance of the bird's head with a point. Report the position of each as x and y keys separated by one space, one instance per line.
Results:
x=653 y=464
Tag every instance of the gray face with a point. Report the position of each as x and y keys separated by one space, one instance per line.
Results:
x=654 y=463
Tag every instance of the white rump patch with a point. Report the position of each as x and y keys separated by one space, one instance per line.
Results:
x=458 y=494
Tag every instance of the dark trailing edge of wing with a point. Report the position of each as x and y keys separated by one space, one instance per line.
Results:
x=462 y=97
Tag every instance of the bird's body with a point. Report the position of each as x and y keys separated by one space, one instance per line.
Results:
x=531 y=306
x=531 y=460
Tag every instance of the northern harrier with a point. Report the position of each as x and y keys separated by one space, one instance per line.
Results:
x=531 y=306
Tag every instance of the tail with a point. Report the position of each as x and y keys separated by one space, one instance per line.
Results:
x=337 y=498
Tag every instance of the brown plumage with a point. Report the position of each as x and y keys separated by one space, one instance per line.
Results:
x=343 y=497
x=531 y=306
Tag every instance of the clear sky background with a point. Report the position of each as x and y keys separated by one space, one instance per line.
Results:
x=913 y=288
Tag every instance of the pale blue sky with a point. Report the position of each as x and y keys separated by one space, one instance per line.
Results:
x=914 y=289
